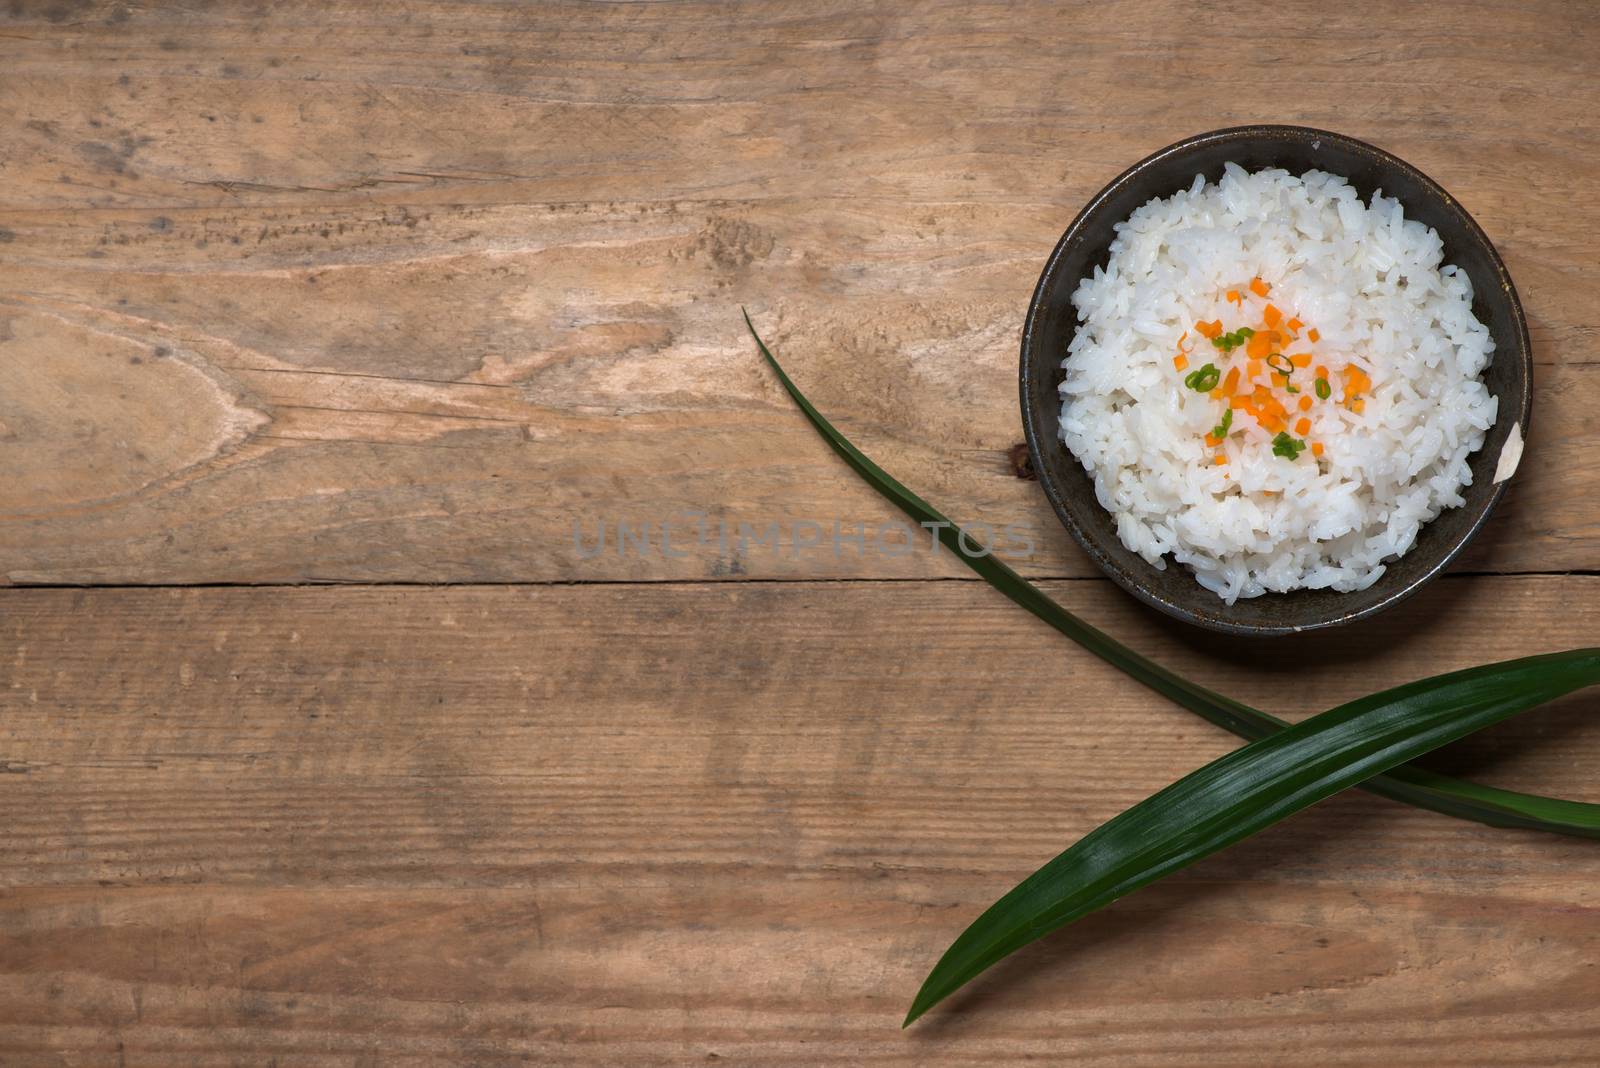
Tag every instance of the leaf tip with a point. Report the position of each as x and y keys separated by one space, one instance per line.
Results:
x=920 y=1004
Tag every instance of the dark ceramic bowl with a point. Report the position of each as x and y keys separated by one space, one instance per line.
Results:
x=1052 y=320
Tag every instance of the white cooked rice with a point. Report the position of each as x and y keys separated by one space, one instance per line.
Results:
x=1370 y=282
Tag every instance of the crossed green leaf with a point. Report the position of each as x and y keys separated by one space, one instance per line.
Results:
x=1285 y=768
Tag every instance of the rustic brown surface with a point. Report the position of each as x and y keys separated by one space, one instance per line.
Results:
x=561 y=821
x=421 y=286
x=401 y=292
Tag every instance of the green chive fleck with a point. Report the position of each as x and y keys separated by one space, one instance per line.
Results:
x=1287 y=447
x=1230 y=341
x=1204 y=380
x=1221 y=429
x=1324 y=391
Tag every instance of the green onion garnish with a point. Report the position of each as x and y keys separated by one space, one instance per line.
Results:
x=1221 y=429
x=1229 y=342
x=1287 y=447
x=1324 y=391
x=1204 y=380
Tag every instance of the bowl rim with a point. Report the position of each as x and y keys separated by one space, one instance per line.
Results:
x=1039 y=438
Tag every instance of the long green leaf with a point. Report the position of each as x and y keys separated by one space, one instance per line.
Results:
x=1416 y=786
x=1248 y=790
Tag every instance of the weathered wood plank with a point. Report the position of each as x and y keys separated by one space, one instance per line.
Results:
x=485 y=102
x=401 y=291
x=185 y=438
x=651 y=823
x=469 y=280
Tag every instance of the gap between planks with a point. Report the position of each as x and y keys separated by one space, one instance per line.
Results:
x=753 y=581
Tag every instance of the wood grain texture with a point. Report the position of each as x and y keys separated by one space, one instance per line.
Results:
x=404 y=291
x=675 y=823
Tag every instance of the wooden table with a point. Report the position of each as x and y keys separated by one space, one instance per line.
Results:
x=323 y=329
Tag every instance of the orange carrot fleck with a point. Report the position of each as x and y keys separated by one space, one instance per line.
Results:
x=1258 y=346
x=1253 y=368
x=1233 y=297
x=1217 y=394
x=1313 y=335
x=1303 y=427
x=1209 y=330
x=1301 y=359
x=1180 y=361
x=1321 y=372
x=1222 y=459
x=1280 y=380
x=1231 y=381
x=1239 y=402
x=1181 y=340
x=1258 y=287
x=1316 y=448
x=1295 y=324
x=1305 y=402
x=1358 y=405
x=1271 y=315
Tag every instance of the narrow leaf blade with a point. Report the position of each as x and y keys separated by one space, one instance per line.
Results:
x=1248 y=790
x=1414 y=786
